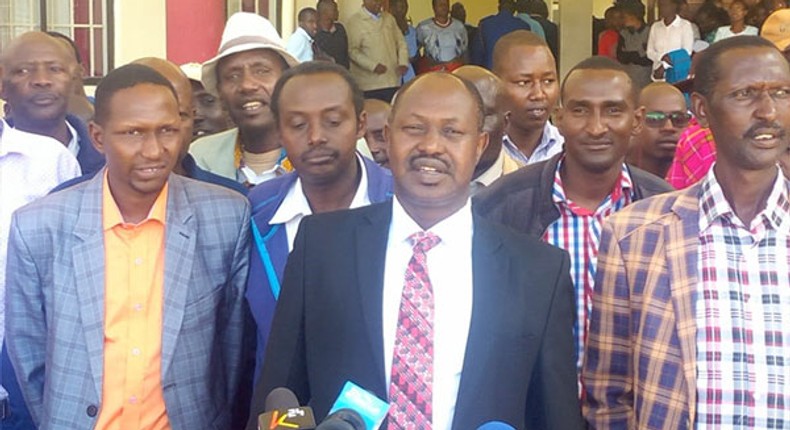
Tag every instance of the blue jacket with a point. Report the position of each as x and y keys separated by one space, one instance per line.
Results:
x=91 y=160
x=270 y=246
x=490 y=30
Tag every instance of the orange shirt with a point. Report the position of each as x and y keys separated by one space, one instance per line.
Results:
x=132 y=396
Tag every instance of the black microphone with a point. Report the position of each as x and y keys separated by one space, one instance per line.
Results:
x=343 y=419
x=284 y=413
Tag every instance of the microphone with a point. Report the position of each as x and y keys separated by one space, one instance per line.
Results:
x=343 y=419
x=356 y=409
x=284 y=413
x=496 y=425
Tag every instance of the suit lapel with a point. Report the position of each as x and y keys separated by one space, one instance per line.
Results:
x=371 y=241
x=89 y=277
x=682 y=242
x=179 y=257
x=489 y=269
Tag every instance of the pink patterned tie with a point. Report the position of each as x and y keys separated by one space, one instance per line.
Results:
x=411 y=383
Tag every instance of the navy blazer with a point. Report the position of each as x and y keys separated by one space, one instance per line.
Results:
x=519 y=365
x=270 y=245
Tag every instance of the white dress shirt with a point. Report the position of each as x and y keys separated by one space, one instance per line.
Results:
x=295 y=206
x=300 y=45
x=74 y=142
x=30 y=166
x=664 y=39
x=450 y=272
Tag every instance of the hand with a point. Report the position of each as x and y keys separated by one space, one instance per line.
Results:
x=402 y=70
x=380 y=69
x=666 y=59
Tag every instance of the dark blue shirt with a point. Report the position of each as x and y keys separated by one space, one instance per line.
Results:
x=490 y=30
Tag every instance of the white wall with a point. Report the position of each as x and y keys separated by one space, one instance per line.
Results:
x=140 y=30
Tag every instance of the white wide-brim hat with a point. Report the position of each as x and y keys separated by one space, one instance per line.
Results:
x=244 y=31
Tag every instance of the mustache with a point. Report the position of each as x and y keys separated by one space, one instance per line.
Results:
x=761 y=128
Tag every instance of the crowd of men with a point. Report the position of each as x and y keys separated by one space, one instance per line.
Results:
x=474 y=245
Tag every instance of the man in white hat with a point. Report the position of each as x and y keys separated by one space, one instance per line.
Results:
x=250 y=59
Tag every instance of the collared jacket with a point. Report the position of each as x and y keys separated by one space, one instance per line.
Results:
x=523 y=200
x=270 y=245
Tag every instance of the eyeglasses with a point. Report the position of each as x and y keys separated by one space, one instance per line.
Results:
x=658 y=119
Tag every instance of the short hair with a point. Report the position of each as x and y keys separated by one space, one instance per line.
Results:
x=522 y=6
x=538 y=7
x=317 y=68
x=708 y=72
x=514 y=38
x=128 y=76
x=305 y=12
x=599 y=62
x=324 y=4
x=71 y=43
x=470 y=88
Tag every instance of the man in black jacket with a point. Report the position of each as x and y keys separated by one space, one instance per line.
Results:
x=564 y=200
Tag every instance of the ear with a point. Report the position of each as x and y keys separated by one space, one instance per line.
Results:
x=639 y=121
x=699 y=105
x=482 y=144
x=362 y=124
x=96 y=133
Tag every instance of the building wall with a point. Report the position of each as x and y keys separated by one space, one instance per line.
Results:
x=140 y=30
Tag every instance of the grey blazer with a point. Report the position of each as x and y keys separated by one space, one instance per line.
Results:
x=55 y=304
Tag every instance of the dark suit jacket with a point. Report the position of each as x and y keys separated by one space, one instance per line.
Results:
x=523 y=201
x=519 y=364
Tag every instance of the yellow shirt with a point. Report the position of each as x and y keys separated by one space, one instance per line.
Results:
x=132 y=396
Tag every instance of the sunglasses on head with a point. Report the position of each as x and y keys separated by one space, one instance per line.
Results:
x=658 y=119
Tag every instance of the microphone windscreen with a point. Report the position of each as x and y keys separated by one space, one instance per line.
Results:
x=343 y=419
x=281 y=398
x=496 y=425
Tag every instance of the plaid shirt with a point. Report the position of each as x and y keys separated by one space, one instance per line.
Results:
x=743 y=304
x=695 y=153
x=578 y=231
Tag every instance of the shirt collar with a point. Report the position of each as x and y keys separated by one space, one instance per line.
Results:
x=111 y=215
x=295 y=204
x=74 y=143
x=714 y=205
x=371 y=14
x=304 y=33
x=624 y=185
x=449 y=230
x=548 y=139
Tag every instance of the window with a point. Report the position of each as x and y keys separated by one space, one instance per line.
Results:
x=267 y=8
x=86 y=22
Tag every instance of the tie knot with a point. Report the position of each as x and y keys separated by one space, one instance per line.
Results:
x=423 y=242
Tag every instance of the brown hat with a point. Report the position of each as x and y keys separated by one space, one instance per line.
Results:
x=776 y=29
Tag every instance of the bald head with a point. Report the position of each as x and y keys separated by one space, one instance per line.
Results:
x=659 y=90
x=177 y=78
x=492 y=92
x=25 y=40
x=183 y=88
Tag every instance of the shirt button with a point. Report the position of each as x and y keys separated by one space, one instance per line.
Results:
x=92 y=411
x=135 y=351
x=138 y=261
x=133 y=400
x=138 y=307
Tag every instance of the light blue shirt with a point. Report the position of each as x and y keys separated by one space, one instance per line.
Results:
x=300 y=45
x=550 y=144
x=534 y=25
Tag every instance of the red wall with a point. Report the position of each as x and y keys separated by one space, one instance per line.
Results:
x=194 y=29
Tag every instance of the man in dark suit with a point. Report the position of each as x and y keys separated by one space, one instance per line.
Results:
x=489 y=312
